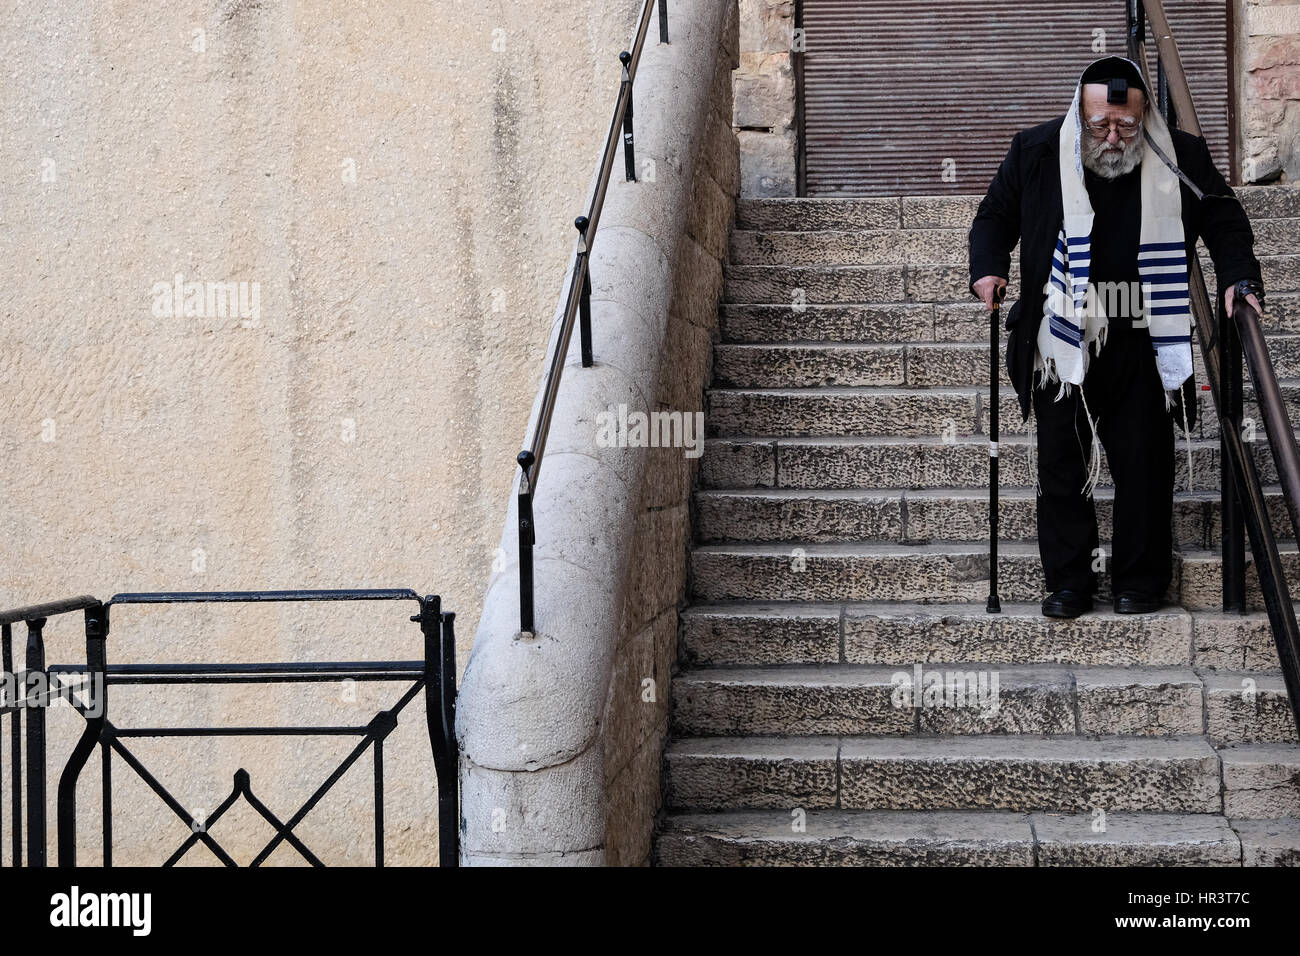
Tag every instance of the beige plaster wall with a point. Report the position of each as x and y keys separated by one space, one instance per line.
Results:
x=399 y=180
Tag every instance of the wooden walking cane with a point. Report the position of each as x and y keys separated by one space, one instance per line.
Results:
x=995 y=356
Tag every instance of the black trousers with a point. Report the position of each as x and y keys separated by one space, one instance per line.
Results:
x=1126 y=399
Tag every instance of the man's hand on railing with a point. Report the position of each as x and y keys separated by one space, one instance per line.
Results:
x=984 y=288
x=1231 y=296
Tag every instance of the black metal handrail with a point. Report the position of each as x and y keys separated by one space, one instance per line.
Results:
x=1225 y=340
x=577 y=303
x=435 y=674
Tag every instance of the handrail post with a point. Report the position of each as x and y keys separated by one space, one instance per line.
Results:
x=96 y=704
x=437 y=627
x=584 y=298
x=16 y=755
x=1234 y=540
x=663 y=20
x=448 y=790
x=629 y=152
x=527 y=536
x=35 y=746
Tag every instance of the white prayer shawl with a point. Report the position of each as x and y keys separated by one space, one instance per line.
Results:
x=1074 y=321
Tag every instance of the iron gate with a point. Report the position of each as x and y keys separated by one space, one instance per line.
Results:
x=30 y=693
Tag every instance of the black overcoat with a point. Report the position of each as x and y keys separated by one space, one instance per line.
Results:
x=1024 y=203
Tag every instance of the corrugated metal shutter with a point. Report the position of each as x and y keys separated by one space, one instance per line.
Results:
x=896 y=92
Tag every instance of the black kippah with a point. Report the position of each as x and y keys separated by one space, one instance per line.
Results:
x=1118 y=74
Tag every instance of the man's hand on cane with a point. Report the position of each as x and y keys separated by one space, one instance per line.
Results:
x=985 y=288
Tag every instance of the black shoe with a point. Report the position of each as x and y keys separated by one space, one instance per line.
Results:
x=1067 y=603
x=1135 y=602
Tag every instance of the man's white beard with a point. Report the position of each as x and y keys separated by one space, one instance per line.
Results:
x=1115 y=163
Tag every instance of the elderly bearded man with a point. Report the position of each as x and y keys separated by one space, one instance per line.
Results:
x=1096 y=208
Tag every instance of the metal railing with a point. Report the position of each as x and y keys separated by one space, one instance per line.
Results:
x=41 y=685
x=1225 y=340
x=577 y=306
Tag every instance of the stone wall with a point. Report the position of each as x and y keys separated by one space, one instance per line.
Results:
x=562 y=730
x=1268 y=67
x=639 y=711
x=765 y=112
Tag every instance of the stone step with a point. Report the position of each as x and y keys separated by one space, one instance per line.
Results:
x=912 y=212
x=1261 y=780
x=757 y=634
x=938 y=212
x=982 y=698
x=1270 y=202
x=895 y=246
x=995 y=772
x=1247 y=707
x=1207 y=425
x=922 y=365
x=866 y=247
x=811 y=365
x=762 y=634
x=939 y=573
x=1281 y=313
x=918 y=516
x=943 y=412
x=963 y=321
x=1276 y=237
x=843 y=411
x=1269 y=842
x=808 y=365
x=889 y=322
x=909 y=282
x=796 y=285
x=972 y=698
x=1281 y=273
x=1229 y=641
x=970 y=838
x=1202 y=578
x=936 y=573
x=850 y=462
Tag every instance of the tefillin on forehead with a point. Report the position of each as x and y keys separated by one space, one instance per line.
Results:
x=1119 y=75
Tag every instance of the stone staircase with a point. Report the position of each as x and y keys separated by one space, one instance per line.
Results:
x=840 y=540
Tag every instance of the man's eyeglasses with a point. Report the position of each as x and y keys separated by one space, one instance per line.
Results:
x=1103 y=131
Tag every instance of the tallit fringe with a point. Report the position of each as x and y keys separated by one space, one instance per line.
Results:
x=1046 y=376
x=1094 y=459
x=1187 y=435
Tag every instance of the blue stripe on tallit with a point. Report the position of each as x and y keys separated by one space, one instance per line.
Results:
x=1064 y=330
x=1057 y=333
